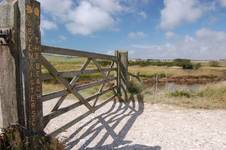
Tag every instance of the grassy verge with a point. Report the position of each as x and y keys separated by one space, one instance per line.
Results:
x=163 y=71
x=211 y=96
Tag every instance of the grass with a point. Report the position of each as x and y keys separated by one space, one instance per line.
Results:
x=211 y=96
x=151 y=71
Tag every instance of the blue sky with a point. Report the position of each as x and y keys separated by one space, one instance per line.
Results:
x=146 y=28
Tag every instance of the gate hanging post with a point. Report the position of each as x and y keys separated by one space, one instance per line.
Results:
x=31 y=51
x=8 y=64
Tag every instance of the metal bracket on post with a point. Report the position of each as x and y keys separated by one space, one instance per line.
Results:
x=5 y=36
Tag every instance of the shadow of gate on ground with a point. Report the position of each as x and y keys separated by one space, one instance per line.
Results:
x=115 y=123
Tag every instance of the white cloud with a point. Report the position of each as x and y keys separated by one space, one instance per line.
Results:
x=48 y=25
x=111 y=6
x=87 y=19
x=170 y=34
x=57 y=8
x=84 y=17
x=142 y=14
x=176 y=12
x=222 y=2
x=136 y=35
x=62 y=37
x=205 y=44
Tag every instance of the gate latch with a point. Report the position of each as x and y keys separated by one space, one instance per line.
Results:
x=5 y=36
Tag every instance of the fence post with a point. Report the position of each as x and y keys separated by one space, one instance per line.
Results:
x=122 y=70
x=124 y=67
x=118 y=73
x=31 y=51
x=8 y=63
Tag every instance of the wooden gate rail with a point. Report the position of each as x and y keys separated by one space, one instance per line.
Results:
x=78 y=88
x=70 y=52
x=71 y=74
x=61 y=111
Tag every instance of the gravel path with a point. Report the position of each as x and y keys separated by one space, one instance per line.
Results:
x=139 y=126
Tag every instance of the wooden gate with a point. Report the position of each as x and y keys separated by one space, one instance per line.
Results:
x=22 y=42
x=73 y=87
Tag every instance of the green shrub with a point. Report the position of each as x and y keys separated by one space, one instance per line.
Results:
x=181 y=93
x=197 y=66
x=135 y=87
x=181 y=62
x=175 y=62
x=104 y=63
x=188 y=66
x=160 y=75
x=214 y=64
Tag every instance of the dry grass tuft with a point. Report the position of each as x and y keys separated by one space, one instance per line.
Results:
x=211 y=96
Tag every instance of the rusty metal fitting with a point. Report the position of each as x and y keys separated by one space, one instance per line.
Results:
x=5 y=36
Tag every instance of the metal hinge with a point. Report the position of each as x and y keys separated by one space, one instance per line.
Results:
x=5 y=36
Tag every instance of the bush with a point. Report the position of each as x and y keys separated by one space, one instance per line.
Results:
x=135 y=87
x=214 y=64
x=188 y=66
x=181 y=62
x=104 y=63
x=182 y=93
x=197 y=66
x=160 y=75
x=175 y=62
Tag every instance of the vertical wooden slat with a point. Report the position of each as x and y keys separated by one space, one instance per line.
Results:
x=118 y=73
x=31 y=51
x=123 y=59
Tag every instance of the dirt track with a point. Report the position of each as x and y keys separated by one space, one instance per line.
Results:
x=140 y=126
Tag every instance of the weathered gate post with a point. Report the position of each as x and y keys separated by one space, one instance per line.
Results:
x=8 y=63
x=31 y=52
x=122 y=72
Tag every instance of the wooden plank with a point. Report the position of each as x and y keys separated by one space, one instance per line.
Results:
x=92 y=84
x=100 y=93
x=71 y=52
x=119 y=92
x=72 y=83
x=99 y=67
x=30 y=43
x=54 y=95
x=61 y=111
x=76 y=78
x=71 y=74
x=104 y=76
x=65 y=83
x=123 y=61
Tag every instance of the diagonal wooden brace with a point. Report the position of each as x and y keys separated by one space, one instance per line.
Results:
x=54 y=72
x=105 y=76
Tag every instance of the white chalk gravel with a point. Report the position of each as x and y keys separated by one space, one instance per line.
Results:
x=138 y=126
